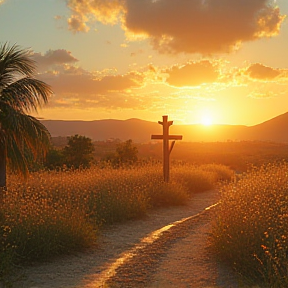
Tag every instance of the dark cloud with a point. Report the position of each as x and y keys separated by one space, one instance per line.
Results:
x=192 y=74
x=190 y=26
x=261 y=72
x=201 y=26
x=53 y=57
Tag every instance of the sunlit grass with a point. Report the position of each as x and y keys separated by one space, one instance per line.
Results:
x=56 y=212
x=252 y=226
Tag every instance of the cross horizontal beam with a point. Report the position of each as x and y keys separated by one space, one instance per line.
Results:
x=168 y=137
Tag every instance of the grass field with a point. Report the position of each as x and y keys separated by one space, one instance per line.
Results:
x=251 y=231
x=58 y=212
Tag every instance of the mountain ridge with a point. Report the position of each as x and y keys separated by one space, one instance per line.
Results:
x=141 y=130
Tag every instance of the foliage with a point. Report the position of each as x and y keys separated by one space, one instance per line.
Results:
x=78 y=151
x=56 y=212
x=238 y=155
x=251 y=228
x=20 y=93
x=125 y=155
x=54 y=159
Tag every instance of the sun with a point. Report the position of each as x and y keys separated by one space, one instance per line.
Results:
x=206 y=120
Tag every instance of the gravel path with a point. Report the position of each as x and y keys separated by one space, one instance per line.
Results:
x=179 y=258
x=132 y=254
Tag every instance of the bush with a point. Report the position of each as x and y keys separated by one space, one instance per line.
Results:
x=54 y=159
x=221 y=172
x=200 y=178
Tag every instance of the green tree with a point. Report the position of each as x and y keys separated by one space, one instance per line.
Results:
x=78 y=151
x=20 y=94
x=54 y=159
x=125 y=155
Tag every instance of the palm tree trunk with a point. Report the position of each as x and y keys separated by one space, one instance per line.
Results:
x=2 y=173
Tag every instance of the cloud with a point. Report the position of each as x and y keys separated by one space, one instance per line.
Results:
x=74 y=86
x=145 y=89
x=53 y=57
x=192 y=74
x=198 y=26
x=260 y=72
x=74 y=82
x=87 y=11
x=201 y=26
x=77 y=24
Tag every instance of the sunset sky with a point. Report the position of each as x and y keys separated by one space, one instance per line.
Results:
x=214 y=61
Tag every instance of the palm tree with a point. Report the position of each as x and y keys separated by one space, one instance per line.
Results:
x=20 y=93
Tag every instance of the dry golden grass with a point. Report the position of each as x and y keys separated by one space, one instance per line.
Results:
x=56 y=212
x=252 y=228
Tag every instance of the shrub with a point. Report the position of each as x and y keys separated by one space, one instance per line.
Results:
x=196 y=179
x=221 y=172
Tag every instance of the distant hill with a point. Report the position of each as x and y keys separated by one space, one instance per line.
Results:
x=140 y=131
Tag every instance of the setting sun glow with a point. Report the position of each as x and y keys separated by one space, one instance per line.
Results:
x=205 y=116
x=209 y=76
x=206 y=120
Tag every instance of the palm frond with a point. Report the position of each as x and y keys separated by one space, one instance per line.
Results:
x=25 y=128
x=26 y=94
x=16 y=157
x=14 y=62
x=24 y=134
x=21 y=135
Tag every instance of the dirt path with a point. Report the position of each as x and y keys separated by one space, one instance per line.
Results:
x=132 y=255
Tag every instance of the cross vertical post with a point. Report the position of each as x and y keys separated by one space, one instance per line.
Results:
x=166 y=149
x=166 y=162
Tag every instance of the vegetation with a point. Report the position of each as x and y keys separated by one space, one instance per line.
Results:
x=251 y=230
x=55 y=212
x=54 y=159
x=125 y=155
x=22 y=137
x=78 y=152
x=239 y=156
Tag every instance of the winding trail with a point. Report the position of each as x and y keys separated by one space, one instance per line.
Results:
x=168 y=248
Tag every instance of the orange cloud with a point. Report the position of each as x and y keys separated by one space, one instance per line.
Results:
x=261 y=72
x=74 y=86
x=77 y=89
x=86 y=11
x=192 y=74
x=77 y=81
x=199 y=26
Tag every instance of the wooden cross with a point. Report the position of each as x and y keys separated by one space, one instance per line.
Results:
x=166 y=149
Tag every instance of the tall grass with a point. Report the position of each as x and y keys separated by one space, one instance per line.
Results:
x=56 y=212
x=252 y=226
